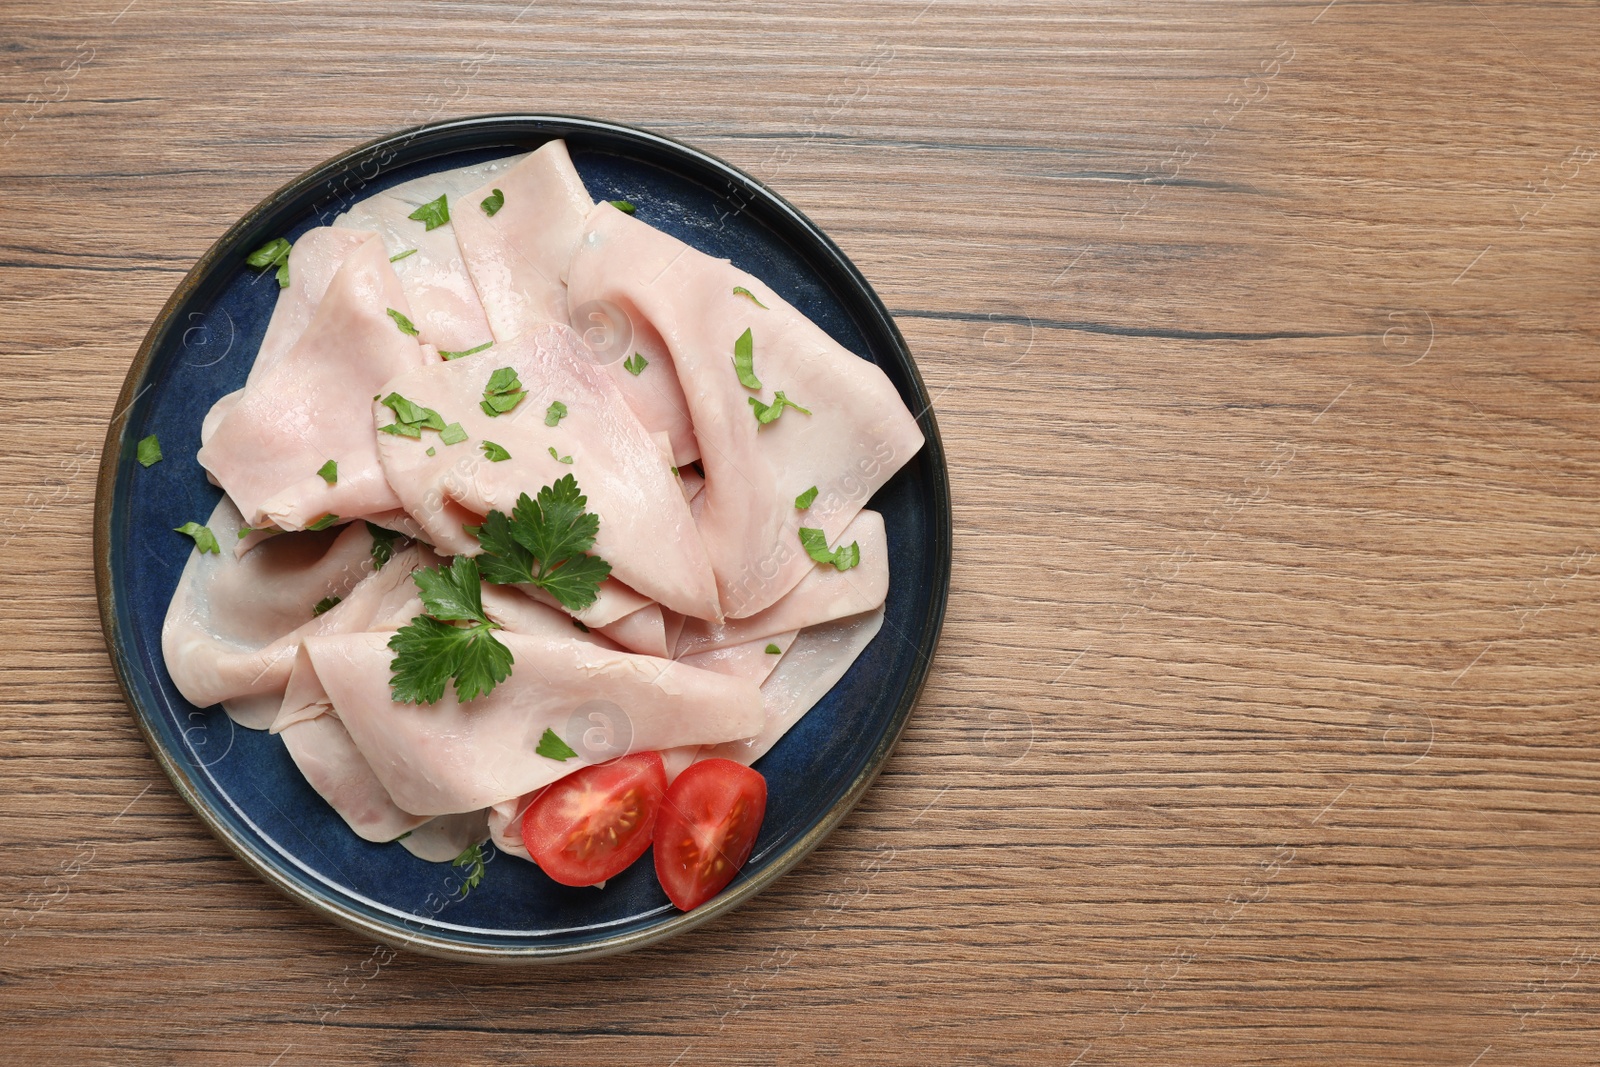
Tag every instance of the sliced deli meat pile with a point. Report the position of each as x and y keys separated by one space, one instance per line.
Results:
x=529 y=508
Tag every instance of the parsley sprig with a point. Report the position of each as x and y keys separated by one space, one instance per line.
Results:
x=432 y=649
x=471 y=859
x=545 y=543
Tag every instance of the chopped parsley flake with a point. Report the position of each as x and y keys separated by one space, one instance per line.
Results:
x=402 y=322
x=493 y=202
x=468 y=352
x=323 y=523
x=635 y=363
x=552 y=747
x=503 y=392
x=453 y=434
x=149 y=451
x=410 y=418
x=740 y=290
x=806 y=499
x=494 y=452
x=402 y=255
x=767 y=413
x=329 y=472
x=433 y=214
x=382 y=544
x=624 y=206
x=744 y=352
x=555 y=413
x=558 y=458
x=327 y=603
x=773 y=650
x=815 y=543
x=204 y=539
x=275 y=253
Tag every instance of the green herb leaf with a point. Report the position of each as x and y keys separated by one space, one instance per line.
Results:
x=635 y=363
x=382 y=544
x=468 y=352
x=580 y=627
x=149 y=451
x=815 y=543
x=431 y=451
x=493 y=202
x=494 y=452
x=204 y=539
x=555 y=413
x=453 y=434
x=624 y=206
x=325 y=604
x=411 y=418
x=472 y=859
x=402 y=255
x=559 y=459
x=275 y=253
x=744 y=361
x=806 y=499
x=323 y=523
x=767 y=413
x=270 y=254
x=740 y=290
x=552 y=747
x=429 y=651
x=502 y=393
x=245 y=531
x=452 y=592
x=433 y=214
x=773 y=650
x=402 y=322
x=329 y=472
x=544 y=543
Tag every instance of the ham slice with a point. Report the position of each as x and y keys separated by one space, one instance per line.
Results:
x=823 y=595
x=336 y=769
x=754 y=660
x=518 y=257
x=443 y=838
x=233 y=625
x=815 y=662
x=445 y=304
x=646 y=531
x=644 y=632
x=858 y=434
x=448 y=757
x=315 y=406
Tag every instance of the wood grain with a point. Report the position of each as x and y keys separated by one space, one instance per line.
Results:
x=1263 y=336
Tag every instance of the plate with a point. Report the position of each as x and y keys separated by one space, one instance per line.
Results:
x=243 y=784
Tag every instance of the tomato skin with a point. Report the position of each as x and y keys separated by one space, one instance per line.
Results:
x=708 y=824
x=592 y=824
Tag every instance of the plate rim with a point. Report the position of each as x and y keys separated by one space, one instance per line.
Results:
x=518 y=124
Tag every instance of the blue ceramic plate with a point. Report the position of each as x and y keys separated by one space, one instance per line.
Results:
x=243 y=784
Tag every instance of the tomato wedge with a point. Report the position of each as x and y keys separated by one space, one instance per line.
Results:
x=590 y=825
x=708 y=825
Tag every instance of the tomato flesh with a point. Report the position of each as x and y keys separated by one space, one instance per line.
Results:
x=708 y=824
x=592 y=824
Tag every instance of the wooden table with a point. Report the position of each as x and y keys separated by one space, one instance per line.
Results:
x=1264 y=727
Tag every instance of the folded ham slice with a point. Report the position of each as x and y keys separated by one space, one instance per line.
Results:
x=518 y=256
x=445 y=304
x=754 y=660
x=815 y=662
x=646 y=531
x=823 y=595
x=316 y=256
x=315 y=406
x=336 y=769
x=234 y=624
x=858 y=434
x=449 y=757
